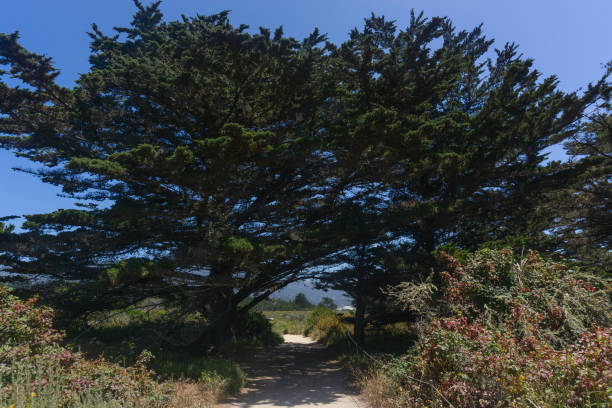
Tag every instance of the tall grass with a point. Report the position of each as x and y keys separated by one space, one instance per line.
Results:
x=218 y=374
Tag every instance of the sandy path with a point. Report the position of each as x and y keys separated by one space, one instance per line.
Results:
x=298 y=373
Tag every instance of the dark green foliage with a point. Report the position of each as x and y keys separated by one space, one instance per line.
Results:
x=189 y=143
x=361 y=273
x=214 y=166
x=254 y=328
x=302 y=302
x=584 y=210
x=438 y=145
x=328 y=303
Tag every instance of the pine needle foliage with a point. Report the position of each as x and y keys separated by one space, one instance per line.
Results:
x=213 y=163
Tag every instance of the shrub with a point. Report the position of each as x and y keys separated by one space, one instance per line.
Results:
x=315 y=316
x=36 y=371
x=507 y=331
x=324 y=325
x=255 y=329
x=232 y=376
x=499 y=287
x=24 y=328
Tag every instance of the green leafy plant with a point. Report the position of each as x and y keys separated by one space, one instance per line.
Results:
x=37 y=371
x=506 y=331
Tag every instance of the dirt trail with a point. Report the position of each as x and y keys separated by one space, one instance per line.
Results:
x=298 y=373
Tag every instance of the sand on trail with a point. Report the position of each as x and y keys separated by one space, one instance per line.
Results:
x=298 y=373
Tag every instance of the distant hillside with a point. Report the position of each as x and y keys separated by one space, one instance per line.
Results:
x=314 y=295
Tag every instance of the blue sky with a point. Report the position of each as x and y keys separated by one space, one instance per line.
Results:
x=565 y=37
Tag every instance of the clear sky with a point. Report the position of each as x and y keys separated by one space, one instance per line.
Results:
x=565 y=37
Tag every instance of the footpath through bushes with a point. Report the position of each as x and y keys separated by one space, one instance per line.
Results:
x=498 y=330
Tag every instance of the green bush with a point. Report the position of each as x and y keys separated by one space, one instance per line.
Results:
x=255 y=328
x=315 y=316
x=324 y=325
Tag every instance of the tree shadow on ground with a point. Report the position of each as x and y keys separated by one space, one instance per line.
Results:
x=294 y=375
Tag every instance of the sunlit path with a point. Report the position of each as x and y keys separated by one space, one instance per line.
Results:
x=298 y=373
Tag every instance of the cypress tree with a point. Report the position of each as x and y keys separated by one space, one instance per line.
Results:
x=451 y=143
x=190 y=146
x=583 y=211
x=214 y=165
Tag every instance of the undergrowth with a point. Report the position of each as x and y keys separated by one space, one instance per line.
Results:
x=496 y=330
x=37 y=371
x=503 y=331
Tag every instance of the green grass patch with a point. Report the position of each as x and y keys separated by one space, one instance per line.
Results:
x=288 y=322
x=178 y=365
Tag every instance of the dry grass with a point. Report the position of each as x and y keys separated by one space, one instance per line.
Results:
x=377 y=389
x=190 y=394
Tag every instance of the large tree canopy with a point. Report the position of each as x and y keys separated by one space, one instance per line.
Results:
x=440 y=145
x=192 y=143
x=221 y=164
x=583 y=222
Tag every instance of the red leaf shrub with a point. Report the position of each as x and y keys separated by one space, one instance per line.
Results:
x=508 y=332
x=32 y=363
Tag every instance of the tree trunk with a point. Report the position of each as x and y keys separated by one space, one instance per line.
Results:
x=220 y=311
x=359 y=329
